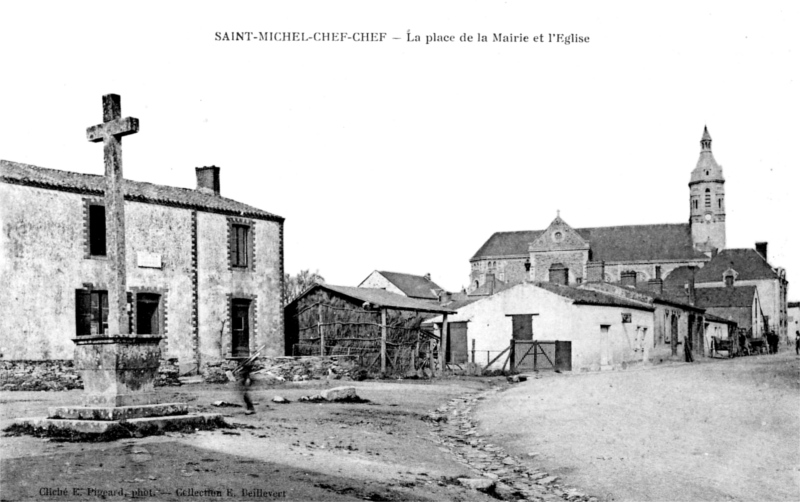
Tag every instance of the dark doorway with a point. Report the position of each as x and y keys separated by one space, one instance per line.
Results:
x=240 y=343
x=147 y=314
x=522 y=327
x=457 y=343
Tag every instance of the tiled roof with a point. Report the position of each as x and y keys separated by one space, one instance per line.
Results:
x=669 y=297
x=486 y=290
x=591 y=297
x=737 y=296
x=678 y=278
x=612 y=244
x=383 y=298
x=748 y=264
x=139 y=191
x=414 y=286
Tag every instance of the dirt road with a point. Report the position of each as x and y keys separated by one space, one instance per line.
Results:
x=714 y=430
x=381 y=450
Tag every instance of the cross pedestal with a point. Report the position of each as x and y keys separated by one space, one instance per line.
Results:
x=119 y=369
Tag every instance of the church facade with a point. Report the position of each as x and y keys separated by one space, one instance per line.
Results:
x=631 y=253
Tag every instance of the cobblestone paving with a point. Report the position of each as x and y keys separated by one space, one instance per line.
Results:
x=496 y=473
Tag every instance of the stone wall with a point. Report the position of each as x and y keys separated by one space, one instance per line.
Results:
x=61 y=374
x=290 y=369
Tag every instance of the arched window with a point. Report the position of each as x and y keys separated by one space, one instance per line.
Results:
x=695 y=203
x=708 y=197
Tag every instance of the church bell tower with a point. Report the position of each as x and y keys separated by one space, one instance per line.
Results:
x=707 y=200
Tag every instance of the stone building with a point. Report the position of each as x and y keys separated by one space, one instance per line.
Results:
x=203 y=271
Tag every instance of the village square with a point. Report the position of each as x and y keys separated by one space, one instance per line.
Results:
x=154 y=346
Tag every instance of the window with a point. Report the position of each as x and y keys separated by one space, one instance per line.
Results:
x=148 y=320
x=97 y=230
x=708 y=197
x=240 y=245
x=91 y=312
x=695 y=203
x=729 y=280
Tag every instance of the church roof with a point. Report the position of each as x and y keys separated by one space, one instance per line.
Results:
x=139 y=191
x=735 y=296
x=748 y=264
x=622 y=243
x=414 y=286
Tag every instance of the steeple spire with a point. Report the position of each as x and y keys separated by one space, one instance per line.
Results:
x=705 y=141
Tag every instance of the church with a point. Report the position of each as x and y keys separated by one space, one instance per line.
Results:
x=630 y=254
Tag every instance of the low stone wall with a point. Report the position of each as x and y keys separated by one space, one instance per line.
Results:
x=39 y=375
x=61 y=374
x=290 y=369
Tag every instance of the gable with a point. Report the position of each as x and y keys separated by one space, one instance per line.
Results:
x=413 y=286
x=559 y=236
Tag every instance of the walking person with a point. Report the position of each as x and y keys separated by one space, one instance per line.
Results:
x=243 y=381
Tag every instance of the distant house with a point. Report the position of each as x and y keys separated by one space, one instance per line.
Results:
x=742 y=267
x=604 y=330
x=736 y=303
x=420 y=287
x=794 y=320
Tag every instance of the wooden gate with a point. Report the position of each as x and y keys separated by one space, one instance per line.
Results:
x=537 y=355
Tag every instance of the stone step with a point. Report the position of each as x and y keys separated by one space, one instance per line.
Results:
x=117 y=412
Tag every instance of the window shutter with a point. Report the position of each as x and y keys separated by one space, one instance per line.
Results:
x=83 y=312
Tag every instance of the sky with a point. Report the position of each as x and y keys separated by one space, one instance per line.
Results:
x=407 y=156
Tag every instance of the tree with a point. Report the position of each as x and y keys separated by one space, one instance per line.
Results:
x=295 y=285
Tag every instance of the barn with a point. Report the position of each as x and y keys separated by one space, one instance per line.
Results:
x=381 y=330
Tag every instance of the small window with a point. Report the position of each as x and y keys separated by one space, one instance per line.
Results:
x=729 y=280
x=708 y=197
x=97 y=230
x=91 y=312
x=240 y=244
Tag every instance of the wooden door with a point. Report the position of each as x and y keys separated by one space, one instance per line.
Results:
x=457 y=343
x=240 y=343
x=522 y=327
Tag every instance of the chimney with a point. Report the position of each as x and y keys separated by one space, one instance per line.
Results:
x=656 y=285
x=208 y=179
x=692 y=294
x=761 y=248
x=595 y=271
x=628 y=279
x=489 y=282
x=427 y=276
x=444 y=297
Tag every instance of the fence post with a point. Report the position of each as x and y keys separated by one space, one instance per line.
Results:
x=319 y=330
x=473 y=351
x=512 y=355
x=535 y=350
x=443 y=344
x=383 y=341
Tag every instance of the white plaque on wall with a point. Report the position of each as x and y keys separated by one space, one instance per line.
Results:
x=148 y=260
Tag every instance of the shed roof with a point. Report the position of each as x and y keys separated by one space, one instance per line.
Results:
x=714 y=318
x=139 y=191
x=620 y=243
x=380 y=298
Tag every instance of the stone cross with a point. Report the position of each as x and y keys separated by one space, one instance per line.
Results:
x=110 y=132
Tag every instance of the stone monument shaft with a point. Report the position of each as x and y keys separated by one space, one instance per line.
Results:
x=110 y=132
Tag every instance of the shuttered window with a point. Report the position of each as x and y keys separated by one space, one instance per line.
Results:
x=91 y=312
x=240 y=240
